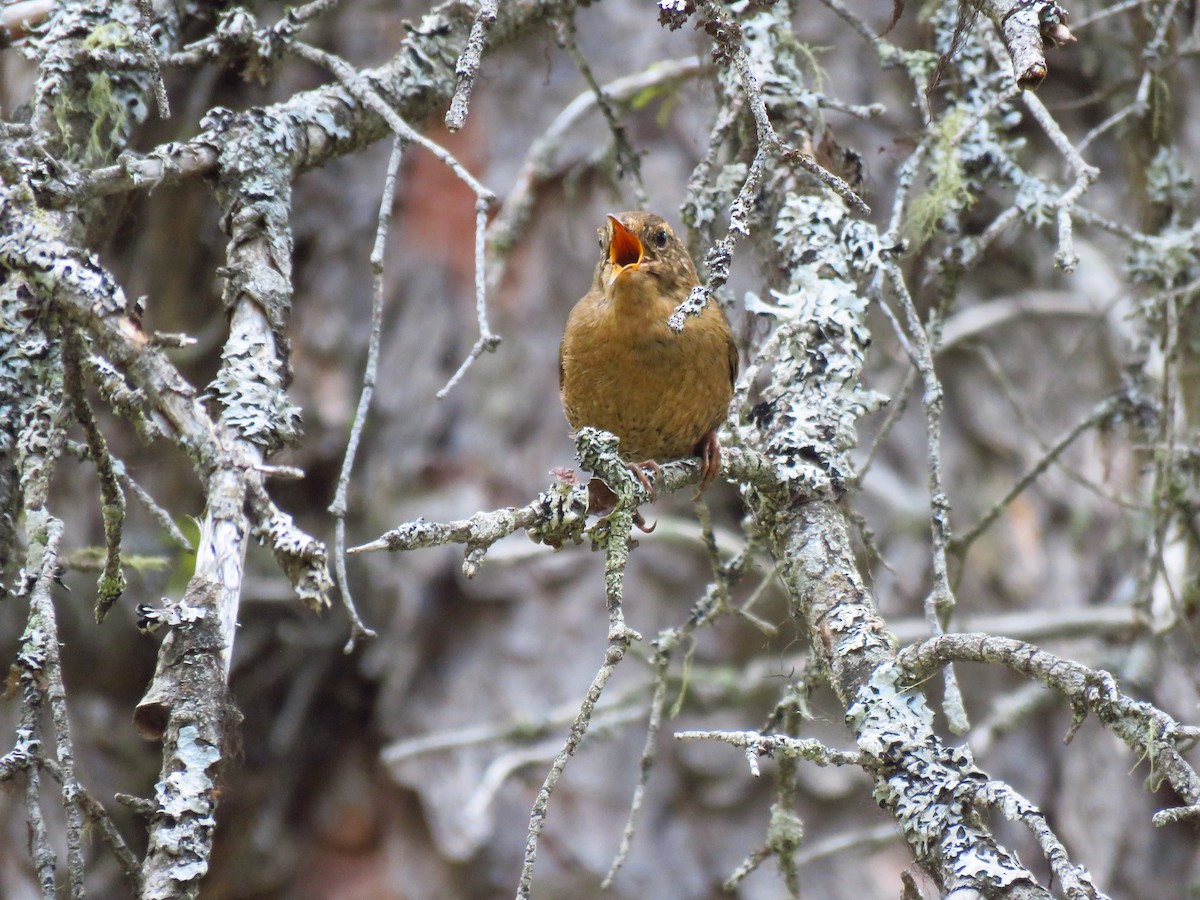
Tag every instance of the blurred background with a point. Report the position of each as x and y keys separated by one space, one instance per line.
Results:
x=407 y=768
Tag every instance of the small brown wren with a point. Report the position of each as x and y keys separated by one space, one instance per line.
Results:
x=621 y=368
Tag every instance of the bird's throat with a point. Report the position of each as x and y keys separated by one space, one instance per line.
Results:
x=637 y=297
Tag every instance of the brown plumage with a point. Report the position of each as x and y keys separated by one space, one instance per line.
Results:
x=622 y=369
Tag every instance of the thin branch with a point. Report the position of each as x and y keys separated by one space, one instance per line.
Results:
x=720 y=257
x=100 y=819
x=1075 y=880
x=40 y=658
x=1016 y=404
x=487 y=342
x=756 y=745
x=940 y=601
x=468 y=64
x=615 y=708
x=558 y=514
x=1106 y=11
x=504 y=233
x=338 y=507
x=728 y=36
x=704 y=612
x=146 y=42
x=44 y=860
x=896 y=410
x=662 y=660
x=598 y=452
x=1105 y=410
x=112 y=580
x=628 y=161
x=359 y=85
x=353 y=81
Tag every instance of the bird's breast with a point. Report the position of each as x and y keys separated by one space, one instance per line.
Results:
x=659 y=392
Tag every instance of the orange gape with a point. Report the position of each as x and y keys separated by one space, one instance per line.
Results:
x=622 y=369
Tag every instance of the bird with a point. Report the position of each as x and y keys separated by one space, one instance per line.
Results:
x=622 y=369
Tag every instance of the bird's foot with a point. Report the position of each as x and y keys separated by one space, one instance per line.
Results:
x=639 y=472
x=709 y=451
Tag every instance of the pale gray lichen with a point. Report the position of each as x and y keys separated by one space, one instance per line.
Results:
x=302 y=557
x=562 y=514
x=250 y=386
x=811 y=430
x=1166 y=260
x=171 y=613
x=188 y=789
x=186 y=796
x=51 y=265
x=23 y=349
x=1168 y=182
x=929 y=787
x=780 y=76
x=255 y=150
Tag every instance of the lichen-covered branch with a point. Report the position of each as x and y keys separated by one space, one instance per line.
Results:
x=757 y=745
x=112 y=579
x=558 y=514
x=331 y=121
x=468 y=64
x=41 y=675
x=1146 y=729
x=806 y=425
x=598 y=452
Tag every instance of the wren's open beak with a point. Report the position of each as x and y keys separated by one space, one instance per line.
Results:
x=625 y=249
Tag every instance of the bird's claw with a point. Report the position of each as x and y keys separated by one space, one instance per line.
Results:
x=709 y=451
x=639 y=472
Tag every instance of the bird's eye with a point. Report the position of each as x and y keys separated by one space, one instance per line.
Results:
x=660 y=239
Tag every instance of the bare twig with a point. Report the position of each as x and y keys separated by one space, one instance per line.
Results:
x=614 y=708
x=487 y=342
x=353 y=82
x=338 y=507
x=628 y=161
x=100 y=819
x=539 y=165
x=940 y=602
x=663 y=648
x=1104 y=411
x=704 y=612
